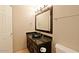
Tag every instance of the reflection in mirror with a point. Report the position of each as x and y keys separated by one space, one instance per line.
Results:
x=43 y=20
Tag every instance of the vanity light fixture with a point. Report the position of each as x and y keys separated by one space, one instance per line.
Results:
x=40 y=8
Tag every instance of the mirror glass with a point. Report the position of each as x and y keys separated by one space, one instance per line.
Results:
x=43 y=21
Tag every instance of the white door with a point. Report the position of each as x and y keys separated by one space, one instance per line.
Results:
x=6 y=41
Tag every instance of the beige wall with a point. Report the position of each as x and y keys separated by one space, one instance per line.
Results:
x=66 y=26
x=23 y=21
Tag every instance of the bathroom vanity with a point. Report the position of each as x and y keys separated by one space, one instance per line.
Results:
x=38 y=43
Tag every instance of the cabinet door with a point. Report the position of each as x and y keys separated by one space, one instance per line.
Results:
x=32 y=47
x=35 y=47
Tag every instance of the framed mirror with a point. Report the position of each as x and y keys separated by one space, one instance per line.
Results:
x=43 y=20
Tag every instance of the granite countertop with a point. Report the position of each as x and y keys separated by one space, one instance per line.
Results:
x=40 y=40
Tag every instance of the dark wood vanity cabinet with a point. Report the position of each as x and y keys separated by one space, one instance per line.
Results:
x=38 y=44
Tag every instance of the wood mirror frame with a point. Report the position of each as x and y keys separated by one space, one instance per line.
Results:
x=51 y=20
